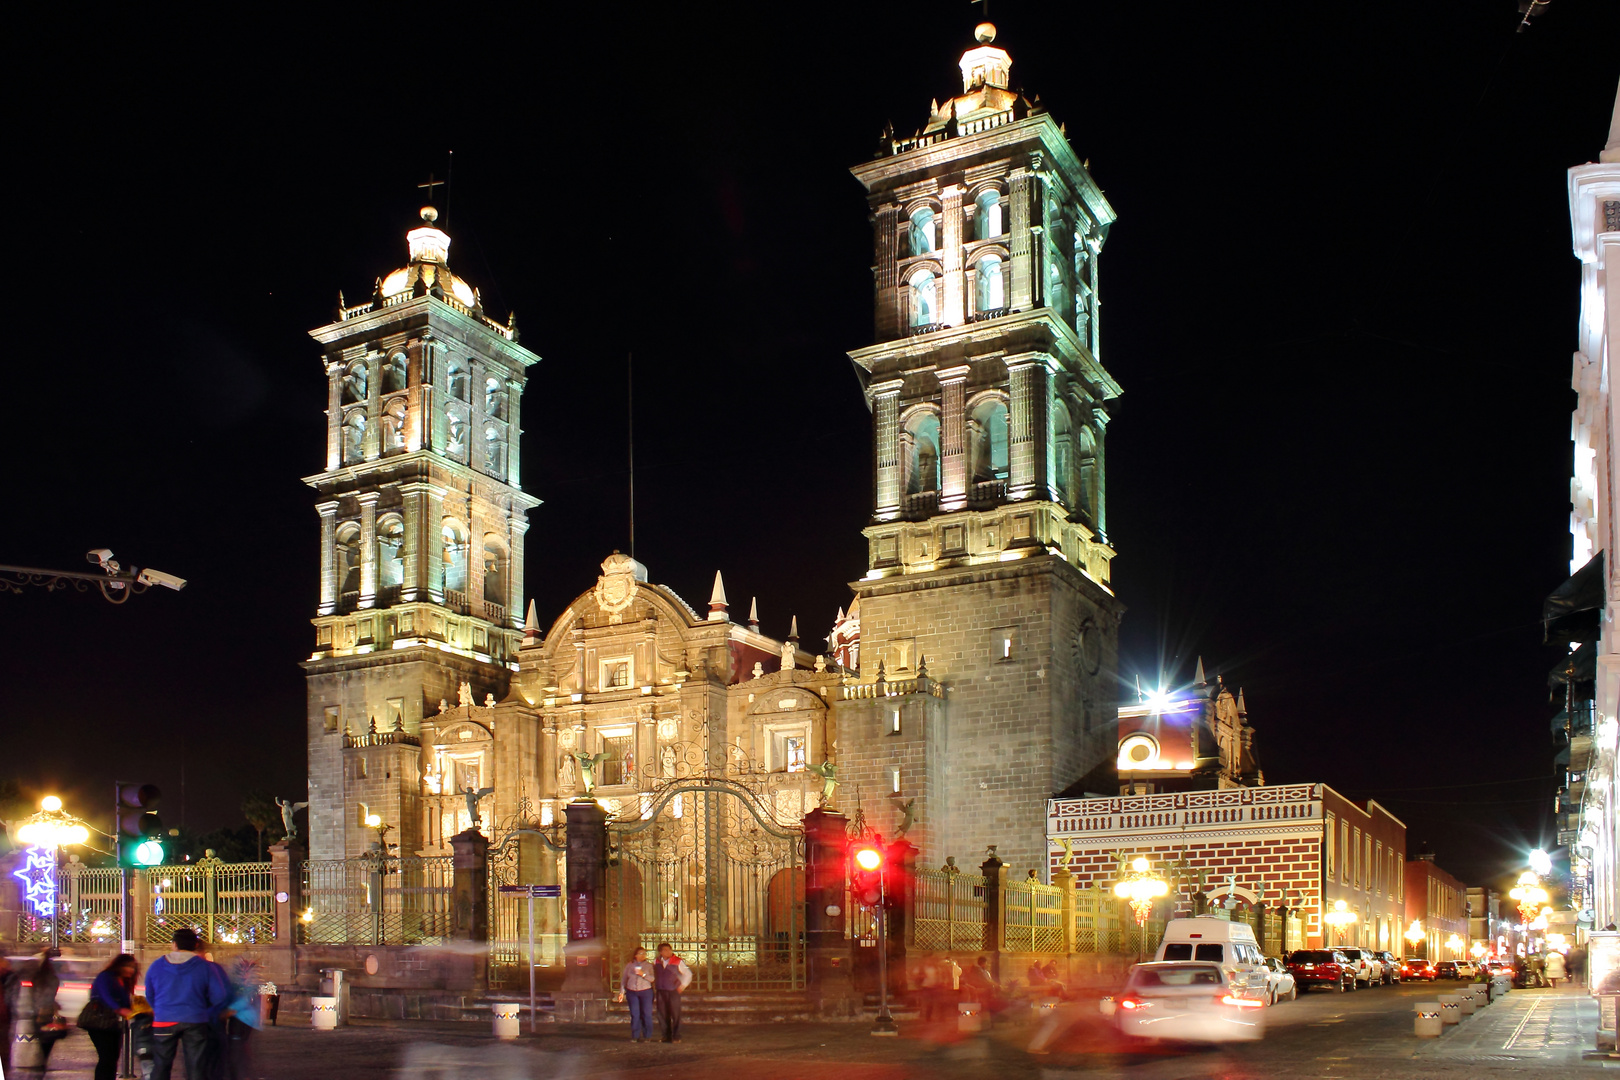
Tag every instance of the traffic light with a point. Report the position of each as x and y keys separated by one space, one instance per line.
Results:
x=140 y=830
x=866 y=873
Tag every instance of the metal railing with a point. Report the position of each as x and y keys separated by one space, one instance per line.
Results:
x=228 y=903
x=1034 y=918
x=92 y=908
x=378 y=900
x=949 y=911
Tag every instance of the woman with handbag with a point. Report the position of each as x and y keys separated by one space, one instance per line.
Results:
x=109 y=1006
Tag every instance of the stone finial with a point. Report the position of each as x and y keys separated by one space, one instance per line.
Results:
x=753 y=614
x=717 y=600
x=1243 y=710
x=399 y=723
x=444 y=706
x=793 y=631
x=759 y=669
x=374 y=725
x=922 y=666
x=882 y=676
x=821 y=663
x=1198 y=674
x=531 y=626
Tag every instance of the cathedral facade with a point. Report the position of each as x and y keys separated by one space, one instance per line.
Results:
x=974 y=675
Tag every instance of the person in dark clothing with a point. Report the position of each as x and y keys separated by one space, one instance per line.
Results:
x=113 y=988
x=671 y=977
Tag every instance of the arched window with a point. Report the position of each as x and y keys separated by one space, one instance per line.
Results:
x=494 y=571
x=989 y=430
x=348 y=562
x=455 y=563
x=992 y=288
x=393 y=376
x=924 y=464
x=924 y=298
x=457 y=378
x=393 y=426
x=1087 y=479
x=494 y=398
x=922 y=232
x=354 y=436
x=987 y=215
x=1062 y=478
x=354 y=383
x=390 y=551
x=494 y=450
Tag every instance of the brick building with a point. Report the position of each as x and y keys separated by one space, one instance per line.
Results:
x=1437 y=904
x=1278 y=855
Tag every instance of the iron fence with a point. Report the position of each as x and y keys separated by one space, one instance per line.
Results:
x=378 y=900
x=949 y=911
x=1034 y=918
x=91 y=908
x=229 y=903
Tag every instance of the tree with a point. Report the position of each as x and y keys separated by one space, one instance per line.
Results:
x=264 y=815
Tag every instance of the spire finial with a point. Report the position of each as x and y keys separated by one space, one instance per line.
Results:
x=1198 y=675
x=793 y=632
x=531 y=626
x=717 y=600
x=753 y=613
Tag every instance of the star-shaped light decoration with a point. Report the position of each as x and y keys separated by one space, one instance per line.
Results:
x=38 y=875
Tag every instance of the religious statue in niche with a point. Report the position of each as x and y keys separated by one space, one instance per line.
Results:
x=790 y=655
x=666 y=759
x=565 y=772
x=455 y=439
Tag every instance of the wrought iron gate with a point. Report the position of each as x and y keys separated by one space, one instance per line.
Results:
x=714 y=865
x=526 y=855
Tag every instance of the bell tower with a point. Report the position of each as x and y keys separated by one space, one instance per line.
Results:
x=988 y=553
x=421 y=536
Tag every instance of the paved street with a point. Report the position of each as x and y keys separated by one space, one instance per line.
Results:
x=1359 y=1036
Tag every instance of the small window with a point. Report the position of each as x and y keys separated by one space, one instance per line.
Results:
x=924 y=298
x=987 y=215
x=894 y=777
x=360 y=767
x=364 y=812
x=619 y=766
x=894 y=720
x=1004 y=645
x=332 y=718
x=1211 y=952
x=923 y=240
x=616 y=673
x=1178 y=950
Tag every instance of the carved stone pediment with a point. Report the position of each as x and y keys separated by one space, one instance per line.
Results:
x=617 y=587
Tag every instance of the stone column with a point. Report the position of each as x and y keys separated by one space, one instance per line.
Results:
x=887 y=316
x=1020 y=290
x=475 y=406
x=517 y=527
x=995 y=909
x=368 y=549
x=470 y=892
x=1026 y=427
x=586 y=951
x=886 y=448
x=373 y=441
x=1099 y=474
x=329 y=582
x=334 y=416
x=952 y=312
x=514 y=433
x=953 y=459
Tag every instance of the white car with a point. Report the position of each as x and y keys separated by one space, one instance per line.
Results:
x=1361 y=962
x=1279 y=982
x=1192 y=1001
x=1467 y=969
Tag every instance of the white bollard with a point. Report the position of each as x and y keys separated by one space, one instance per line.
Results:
x=506 y=1019
x=1465 y=1003
x=25 y=1049
x=969 y=1017
x=1450 y=1009
x=1427 y=1024
x=323 y=1013
x=1482 y=995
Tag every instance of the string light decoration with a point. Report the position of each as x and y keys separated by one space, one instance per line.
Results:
x=1530 y=895
x=1141 y=887
x=38 y=875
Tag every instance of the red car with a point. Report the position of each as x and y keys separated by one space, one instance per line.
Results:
x=1322 y=967
x=1414 y=968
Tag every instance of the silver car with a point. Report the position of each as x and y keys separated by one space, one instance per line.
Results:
x=1191 y=1001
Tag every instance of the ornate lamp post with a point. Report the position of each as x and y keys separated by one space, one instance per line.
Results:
x=1340 y=917
x=46 y=833
x=1141 y=886
x=1530 y=895
x=1455 y=944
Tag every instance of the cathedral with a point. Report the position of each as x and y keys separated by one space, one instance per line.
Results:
x=974 y=673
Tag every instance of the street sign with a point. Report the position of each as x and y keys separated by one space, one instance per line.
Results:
x=535 y=892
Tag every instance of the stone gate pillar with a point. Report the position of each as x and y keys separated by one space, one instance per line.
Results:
x=470 y=893
x=586 y=952
x=995 y=909
x=827 y=952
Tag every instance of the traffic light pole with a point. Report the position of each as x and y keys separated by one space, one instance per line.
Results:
x=885 y=1021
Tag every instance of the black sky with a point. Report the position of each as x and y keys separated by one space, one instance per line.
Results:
x=1340 y=298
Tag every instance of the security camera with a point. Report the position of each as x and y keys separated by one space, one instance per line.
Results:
x=103 y=557
x=158 y=577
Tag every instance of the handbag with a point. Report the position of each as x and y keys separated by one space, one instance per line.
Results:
x=97 y=1015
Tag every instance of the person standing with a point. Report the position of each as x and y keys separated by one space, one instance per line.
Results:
x=671 y=977
x=950 y=986
x=636 y=988
x=243 y=1016
x=928 y=986
x=111 y=1003
x=187 y=993
x=1556 y=969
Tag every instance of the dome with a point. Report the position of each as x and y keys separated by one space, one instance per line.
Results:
x=430 y=257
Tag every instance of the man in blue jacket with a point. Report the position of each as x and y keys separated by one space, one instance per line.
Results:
x=187 y=993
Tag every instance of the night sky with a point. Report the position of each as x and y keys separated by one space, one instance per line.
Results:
x=1339 y=296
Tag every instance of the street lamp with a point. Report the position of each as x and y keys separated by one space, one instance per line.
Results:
x=1540 y=863
x=1141 y=886
x=46 y=833
x=1340 y=917
x=1414 y=934
x=1455 y=944
x=1530 y=895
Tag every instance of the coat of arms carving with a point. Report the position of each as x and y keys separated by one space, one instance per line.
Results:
x=616 y=588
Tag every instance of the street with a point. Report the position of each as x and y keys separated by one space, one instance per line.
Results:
x=1365 y=1035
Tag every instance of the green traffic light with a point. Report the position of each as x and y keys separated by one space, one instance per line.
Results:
x=149 y=852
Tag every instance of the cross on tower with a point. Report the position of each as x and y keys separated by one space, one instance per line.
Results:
x=432 y=183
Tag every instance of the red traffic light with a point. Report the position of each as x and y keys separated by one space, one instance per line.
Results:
x=868 y=857
x=866 y=873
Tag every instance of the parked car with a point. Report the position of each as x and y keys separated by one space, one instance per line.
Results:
x=1280 y=982
x=1218 y=941
x=1467 y=969
x=1190 y=1000
x=1361 y=963
x=1447 y=969
x=1321 y=967
x=1414 y=967
x=1392 y=965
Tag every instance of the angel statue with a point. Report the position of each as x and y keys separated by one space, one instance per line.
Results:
x=909 y=809
x=288 y=809
x=829 y=779
x=588 y=764
x=474 y=796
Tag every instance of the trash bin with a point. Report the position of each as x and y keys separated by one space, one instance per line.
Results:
x=969 y=1017
x=506 y=1019
x=1450 y=1009
x=323 y=1013
x=1427 y=1023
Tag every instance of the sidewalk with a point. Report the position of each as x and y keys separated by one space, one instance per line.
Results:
x=1531 y=1027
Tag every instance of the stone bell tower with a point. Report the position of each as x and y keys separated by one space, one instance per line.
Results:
x=422 y=523
x=987 y=547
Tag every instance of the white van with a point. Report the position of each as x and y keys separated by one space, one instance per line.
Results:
x=1229 y=944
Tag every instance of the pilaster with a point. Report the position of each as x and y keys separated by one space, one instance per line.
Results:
x=950 y=198
x=419 y=396
x=475 y=404
x=476 y=527
x=885 y=270
x=1026 y=426
x=1020 y=186
x=886 y=439
x=953 y=438
x=372 y=446
x=334 y=416
x=329 y=583
x=514 y=432
x=368 y=549
x=517 y=528
x=423 y=570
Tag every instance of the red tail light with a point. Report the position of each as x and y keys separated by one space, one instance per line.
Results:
x=1246 y=1003
x=1134 y=1003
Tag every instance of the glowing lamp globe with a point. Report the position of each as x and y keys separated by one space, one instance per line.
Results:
x=1141 y=888
x=373 y=820
x=51 y=804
